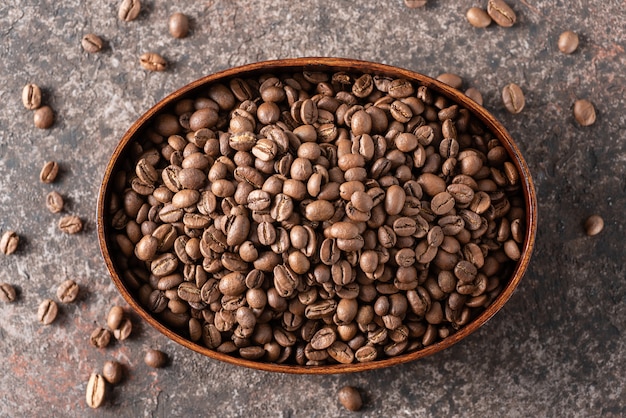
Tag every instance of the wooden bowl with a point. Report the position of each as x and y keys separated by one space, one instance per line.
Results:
x=321 y=64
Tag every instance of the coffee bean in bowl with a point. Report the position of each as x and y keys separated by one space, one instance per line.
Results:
x=317 y=215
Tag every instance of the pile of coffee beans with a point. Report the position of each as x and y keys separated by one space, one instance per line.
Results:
x=316 y=218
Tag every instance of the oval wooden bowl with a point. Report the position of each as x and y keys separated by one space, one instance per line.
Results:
x=322 y=64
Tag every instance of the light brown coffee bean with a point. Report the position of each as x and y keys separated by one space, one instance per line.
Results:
x=178 y=25
x=349 y=396
x=513 y=98
x=319 y=210
x=584 y=112
x=568 y=42
x=67 y=292
x=70 y=224
x=129 y=10
x=43 y=117
x=113 y=372
x=594 y=225
x=96 y=391
x=478 y=17
x=54 y=202
x=31 y=96
x=152 y=61
x=124 y=330
x=450 y=79
x=49 y=172
x=7 y=293
x=100 y=337
x=474 y=94
x=155 y=358
x=92 y=43
x=115 y=316
x=413 y=4
x=47 y=311
x=501 y=13
x=9 y=242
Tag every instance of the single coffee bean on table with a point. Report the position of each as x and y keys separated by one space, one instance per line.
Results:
x=129 y=10
x=31 y=96
x=7 y=293
x=477 y=17
x=317 y=230
x=113 y=372
x=584 y=112
x=155 y=358
x=513 y=98
x=70 y=224
x=501 y=13
x=152 y=61
x=49 y=172
x=96 y=390
x=350 y=398
x=594 y=225
x=47 y=311
x=178 y=25
x=115 y=317
x=43 y=117
x=9 y=242
x=100 y=337
x=67 y=292
x=92 y=43
x=413 y=4
x=568 y=42
x=54 y=202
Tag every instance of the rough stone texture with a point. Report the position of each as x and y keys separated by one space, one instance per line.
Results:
x=558 y=348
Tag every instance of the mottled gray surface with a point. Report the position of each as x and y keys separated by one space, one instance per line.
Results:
x=558 y=348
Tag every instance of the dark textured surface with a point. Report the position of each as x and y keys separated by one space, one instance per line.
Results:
x=558 y=348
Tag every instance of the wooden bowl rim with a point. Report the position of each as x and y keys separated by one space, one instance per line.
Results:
x=327 y=64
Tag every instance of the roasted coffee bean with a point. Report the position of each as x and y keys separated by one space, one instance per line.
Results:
x=452 y=80
x=113 y=372
x=96 y=390
x=67 y=292
x=594 y=225
x=411 y=4
x=54 y=202
x=478 y=17
x=31 y=96
x=474 y=94
x=568 y=42
x=501 y=13
x=152 y=61
x=349 y=396
x=178 y=25
x=584 y=112
x=115 y=316
x=47 y=311
x=513 y=98
x=100 y=337
x=70 y=224
x=129 y=10
x=49 y=172
x=43 y=117
x=155 y=358
x=7 y=293
x=9 y=242
x=92 y=43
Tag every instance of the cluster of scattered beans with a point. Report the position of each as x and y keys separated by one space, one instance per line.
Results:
x=316 y=218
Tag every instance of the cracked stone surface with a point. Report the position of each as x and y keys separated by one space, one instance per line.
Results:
x=558 y=348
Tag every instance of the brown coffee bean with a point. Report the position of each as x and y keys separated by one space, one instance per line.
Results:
x=155 y=358
x=113 y=372
x=452 y=80
x=115 y=316
x=9 y=242
x=54 y=202
x=31 y=96
x=152 y=61
x=501 y=13
x=319 y=210
x=394 y=200
x=474 y=94
x=100 y=337
x=7 y=293
x=178 y=25
x=513 y=98
x=478 y=17
x=349 y=396
x=49 y=172
x=43 y=117
x=411 y=4
x=568 y=42
x=584 y=112
x=70 y=224
x=92 y=43
x=129 y=10
x=47 y=311
x=67 y=292
x=594 y=225
x=96 y=391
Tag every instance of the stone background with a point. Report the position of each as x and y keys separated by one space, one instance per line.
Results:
x=558 y=348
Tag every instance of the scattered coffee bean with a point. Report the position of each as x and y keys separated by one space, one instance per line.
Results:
x=43 y=118
x=67 y=292
x=413 y=4
x=100 y=337
x=113 y=372
x=7 y=293
x=513 y=98
x=129 y=10
x=584 y=112
x=474 y=94
x=350 y=398
x=92 y=43
x=31 y=96
x=96 y=390
x=124 y=330
x=568 y=42
x=49 y=172
x=501 y=13
x=178 y=25
x=452 y=80
x=9 y=242
x=54 y=202
x=47 y=311
x=594 y=225
x=478 y=17
x=152 y=61
x=70 y=224
x=115 y=317
x=155 y=358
